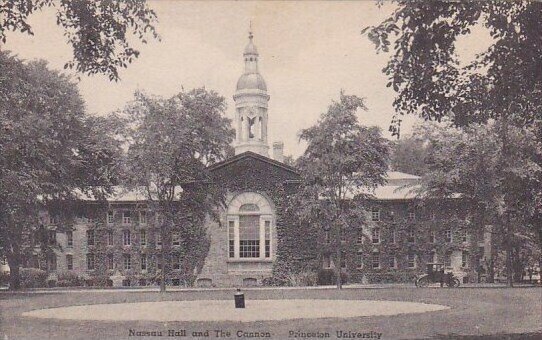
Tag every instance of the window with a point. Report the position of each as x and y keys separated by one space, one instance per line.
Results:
x=35 y=261
x=448 y=260
x=375 y=260
x=411 y=215
x=448 y=236
x=464 y=259
x=126 y=217
x=411 y=260
x=375 y=235
x=142 y=217
x=392 y=262
x=110 y=262
x=411 y=238
x=90 y=261
x=159 y=261
x=143 y=262
x=326 y=261
x=176 y=262
x=69 y=239
x=143 y=237
x=432 y=236
x=360 y=236
x=343 y=260
x=393 y=236
x=375 y=215
x=343 y=235
x=267 y=239
x=464 y=236
x=231 y=238
x=126 y=238
x=110 y=238
x=110 y=217
x=51 y=262
x=158 y=237
x=51 y=237
x=249 y=236
x=326 y=237
x=176 y=238
x=90 y=237
x=52 y=220
x=127 y=261
x=69 y=262
x=360 y=260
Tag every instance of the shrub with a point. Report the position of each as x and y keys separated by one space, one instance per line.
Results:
x=274 y=281
x=4 y=278
x=327 y=277
x=99 y=281
x=302 y=279
x=69 y=279
x=33 y=278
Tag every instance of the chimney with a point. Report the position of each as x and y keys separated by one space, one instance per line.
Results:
x=278 y=151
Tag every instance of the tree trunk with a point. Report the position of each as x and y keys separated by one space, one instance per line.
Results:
x=163 y=259
x=509 y=262
x=14 y=272
x=338 y=268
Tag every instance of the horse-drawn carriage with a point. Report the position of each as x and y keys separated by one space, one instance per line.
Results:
x=435 y=274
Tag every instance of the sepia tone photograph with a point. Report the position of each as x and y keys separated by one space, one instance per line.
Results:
x=270 y=169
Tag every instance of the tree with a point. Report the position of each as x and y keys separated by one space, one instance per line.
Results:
x=98 y=31
x=503 y=83
x=49 y=149
x=432 y=80
x=342 y=158
x=409 y=155
x=172 y=143
x=496 y=190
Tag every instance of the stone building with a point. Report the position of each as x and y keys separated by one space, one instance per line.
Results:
x=119 y=244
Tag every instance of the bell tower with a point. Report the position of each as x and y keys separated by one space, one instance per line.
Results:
x=251 y=106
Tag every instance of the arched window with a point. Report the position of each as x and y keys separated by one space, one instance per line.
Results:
x=250 y=223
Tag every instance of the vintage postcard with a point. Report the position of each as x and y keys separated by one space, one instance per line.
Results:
x=270 y=169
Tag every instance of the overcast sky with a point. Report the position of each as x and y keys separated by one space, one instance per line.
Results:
x=309 y=51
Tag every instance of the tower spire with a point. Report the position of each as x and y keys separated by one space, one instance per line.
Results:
x=251 y=104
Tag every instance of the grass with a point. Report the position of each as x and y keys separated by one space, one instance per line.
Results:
x=476 y=313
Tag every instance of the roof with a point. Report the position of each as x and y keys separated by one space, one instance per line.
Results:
x=250 y=154
x=121 y=194
x=251 y=81
x=399 y=186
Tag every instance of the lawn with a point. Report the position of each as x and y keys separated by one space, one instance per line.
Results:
x=476 y=313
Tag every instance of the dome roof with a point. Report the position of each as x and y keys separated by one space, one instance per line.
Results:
x=250 y=49
x=251 y=81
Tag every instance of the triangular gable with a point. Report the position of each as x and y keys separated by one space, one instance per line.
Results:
x=250 y=160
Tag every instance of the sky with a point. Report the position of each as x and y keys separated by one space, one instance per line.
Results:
x=309 y=52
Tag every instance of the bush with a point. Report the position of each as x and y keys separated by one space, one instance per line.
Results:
x=302 y=279
x=4 y=278
x=33 y=278
x=99 y=281
x=274 y=282
x=69 y=279
x=327 y=277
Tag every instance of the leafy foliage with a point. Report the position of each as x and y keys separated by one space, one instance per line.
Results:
x=342 y=159
x=501 y=189
x=172 y=141
x=432 y=80
x=408 y=155
x=48 y=149
x=98 y=31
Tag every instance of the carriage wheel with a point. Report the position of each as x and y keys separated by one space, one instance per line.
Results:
x=454 y=283
x=422 y=282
